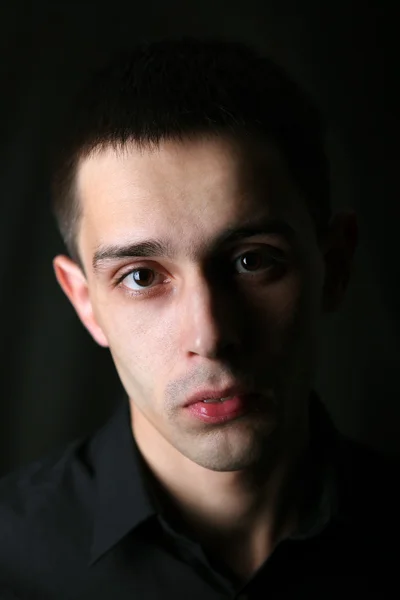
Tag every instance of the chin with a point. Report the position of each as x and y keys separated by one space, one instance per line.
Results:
x=224 y=464
x=235 y=452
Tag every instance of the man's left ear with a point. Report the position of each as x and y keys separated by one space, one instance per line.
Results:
x=338 y=250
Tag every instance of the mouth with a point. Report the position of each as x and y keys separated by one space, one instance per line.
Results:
x=213 y=406
x=214 y=395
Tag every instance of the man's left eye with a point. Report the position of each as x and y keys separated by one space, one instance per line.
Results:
x=254 y=260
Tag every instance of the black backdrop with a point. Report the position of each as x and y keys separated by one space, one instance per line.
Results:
x=55 y=382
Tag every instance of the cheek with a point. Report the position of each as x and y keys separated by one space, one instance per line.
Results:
x=299 y=323
x=283 y=317
x=138 y=337
x=280 y=305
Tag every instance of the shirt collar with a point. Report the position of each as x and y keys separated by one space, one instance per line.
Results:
x=125 y=495
x=122 y=501
x=320 y=505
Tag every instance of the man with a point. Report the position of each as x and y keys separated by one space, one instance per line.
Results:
x=192 y=192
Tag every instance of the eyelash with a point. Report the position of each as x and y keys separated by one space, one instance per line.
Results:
x=278 y=262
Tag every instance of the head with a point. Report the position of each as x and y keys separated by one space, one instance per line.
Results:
x=192 y=192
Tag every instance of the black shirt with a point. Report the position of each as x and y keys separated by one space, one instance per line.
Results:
x=88 y=523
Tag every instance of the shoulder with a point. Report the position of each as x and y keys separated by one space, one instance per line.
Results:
x=364 y=464
x=368 y=485
x=58 y=473
x=38 y=503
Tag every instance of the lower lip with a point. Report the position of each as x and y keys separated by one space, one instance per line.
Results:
x=221 y=412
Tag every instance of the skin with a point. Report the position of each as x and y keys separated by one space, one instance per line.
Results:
x=201 y=318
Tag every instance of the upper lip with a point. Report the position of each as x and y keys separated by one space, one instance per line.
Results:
x=214 y=394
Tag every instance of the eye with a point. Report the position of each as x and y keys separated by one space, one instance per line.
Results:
x=138 y=279
x=254 y=261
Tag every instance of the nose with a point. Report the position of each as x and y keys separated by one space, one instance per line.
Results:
x=208 y=323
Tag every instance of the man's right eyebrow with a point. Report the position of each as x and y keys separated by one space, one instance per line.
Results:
x=142 y=249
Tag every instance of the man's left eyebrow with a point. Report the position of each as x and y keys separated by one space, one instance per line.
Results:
x=250 y=229
x=158 y=248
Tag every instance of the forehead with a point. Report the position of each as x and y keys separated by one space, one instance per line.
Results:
x=189 y=190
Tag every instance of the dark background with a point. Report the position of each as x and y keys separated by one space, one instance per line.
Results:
x=55 y=383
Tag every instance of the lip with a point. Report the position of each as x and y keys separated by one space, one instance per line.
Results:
x=214 y=394
x=224 y=412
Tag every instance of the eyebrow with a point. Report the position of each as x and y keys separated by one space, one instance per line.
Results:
x=152 y=248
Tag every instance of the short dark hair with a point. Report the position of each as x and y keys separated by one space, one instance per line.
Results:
x=178 y=88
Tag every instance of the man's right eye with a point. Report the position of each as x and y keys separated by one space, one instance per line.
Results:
x=138 y=278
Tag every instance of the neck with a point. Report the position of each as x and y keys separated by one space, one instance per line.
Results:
x=250 y=510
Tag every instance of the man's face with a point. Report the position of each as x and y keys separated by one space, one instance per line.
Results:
x=213 y=310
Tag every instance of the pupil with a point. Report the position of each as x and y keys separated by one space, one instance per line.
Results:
x=138 y=276
x=251 y=260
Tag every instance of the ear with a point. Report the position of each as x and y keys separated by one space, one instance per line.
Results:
x=74 y=284
x=338 y=250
